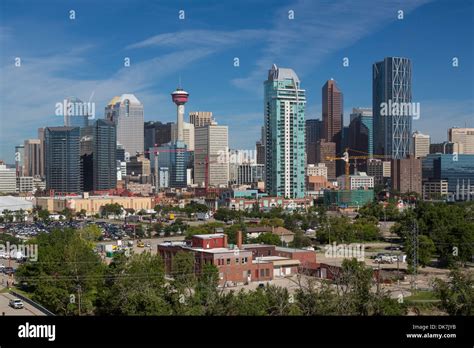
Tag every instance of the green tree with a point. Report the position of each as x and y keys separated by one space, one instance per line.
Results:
x=268 y=238
x=134 y=287
x=66 y=266
x=457 y=294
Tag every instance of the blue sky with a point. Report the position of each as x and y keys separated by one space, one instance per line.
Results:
x=83 y=57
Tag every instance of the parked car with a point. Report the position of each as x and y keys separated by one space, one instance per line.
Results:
x=16 y=303
x=8 y=270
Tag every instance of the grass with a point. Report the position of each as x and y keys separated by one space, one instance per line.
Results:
x=422 y=296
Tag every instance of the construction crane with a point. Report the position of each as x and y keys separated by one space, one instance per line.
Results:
x=346 y=158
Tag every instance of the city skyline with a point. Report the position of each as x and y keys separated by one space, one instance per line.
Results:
x=74 y=64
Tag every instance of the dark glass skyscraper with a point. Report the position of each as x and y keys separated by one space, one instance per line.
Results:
x=391 y=86
x=104 y=156
x=313 y=134
x=62 y=159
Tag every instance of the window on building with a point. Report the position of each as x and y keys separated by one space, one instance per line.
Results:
x=244 y=260
x=237 y=260
x=267 y=272
x=262 y=273
x=228 y=261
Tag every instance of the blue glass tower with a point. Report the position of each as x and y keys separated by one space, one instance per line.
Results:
x=284 y=108
x=391 y=85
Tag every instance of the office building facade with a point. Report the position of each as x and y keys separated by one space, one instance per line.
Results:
x=420 y=144
x=62 y=159
x=392 y=91
x=210 y=155
x=313 y=134
x=406 y=175
x=126 y=112
x=104 y=155
x=463 y=136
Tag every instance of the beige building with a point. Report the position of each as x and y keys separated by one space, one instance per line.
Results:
x=420 y=144
x=93 y=204
x=318 y=169
x=188 y=134
x=200 y=118
x=463 y=136
x=211 y=150
x=33 y=158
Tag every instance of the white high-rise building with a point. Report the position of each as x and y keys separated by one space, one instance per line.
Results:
x=211 y=149
x=7 y=179
x=188 y=134
x=420 y=144
x=464 y=136
x=126 y=112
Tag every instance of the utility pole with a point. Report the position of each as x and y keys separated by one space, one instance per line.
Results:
x=79 y=290
x=414 y=254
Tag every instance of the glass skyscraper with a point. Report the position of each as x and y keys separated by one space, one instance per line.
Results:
x=126 y=112
x=62 y=159
x=284 y=108
x=77 y=116
x=104 y=156
x=391 y=85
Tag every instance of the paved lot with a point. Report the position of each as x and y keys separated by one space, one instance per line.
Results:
x=153 y=242
x=27 y=310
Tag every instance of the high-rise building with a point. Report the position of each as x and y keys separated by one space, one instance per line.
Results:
x=62 y=159
x=284 y=108
x=7 y=179
x=361 y=130
x=464 y=136
x=313 y=134
x=210 y=155
x=41 y=138
x=420 y=144
x=260 y=147
x=20 y=160
x=332 y=113
x=157 y=134
x=33 y=159
x=188 y=134
x=380 y=170
x=126 y=112
x=200 y=118
x=391 y=98
x=104 y=155
x=75 y=112
x=407 y=175
x=325 y=149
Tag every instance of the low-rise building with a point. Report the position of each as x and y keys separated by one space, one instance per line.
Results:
x=92 y=204
x=356 y=181
x=240 y=263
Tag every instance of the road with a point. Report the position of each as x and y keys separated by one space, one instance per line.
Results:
x=27 y=310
